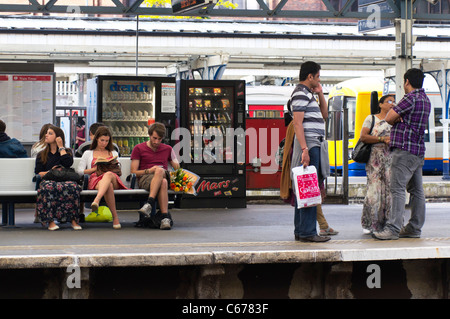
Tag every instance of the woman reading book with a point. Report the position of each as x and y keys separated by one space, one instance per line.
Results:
x=105 y=181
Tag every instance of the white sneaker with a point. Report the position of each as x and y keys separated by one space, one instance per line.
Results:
x=385 y=234
x=165 y=224
x=146 y=210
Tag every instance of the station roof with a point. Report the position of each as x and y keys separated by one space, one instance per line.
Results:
x=250 y=48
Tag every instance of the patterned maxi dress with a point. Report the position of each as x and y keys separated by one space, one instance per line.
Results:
x=58 y=200
x=377 y=203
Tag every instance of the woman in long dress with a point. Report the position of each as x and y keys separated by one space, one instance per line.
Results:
x=377 y=203
x=102 y=148
x=56 y=200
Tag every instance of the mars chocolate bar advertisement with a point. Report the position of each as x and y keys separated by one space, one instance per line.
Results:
x=220 y=186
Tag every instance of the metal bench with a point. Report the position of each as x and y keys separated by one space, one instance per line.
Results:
x=19 y=184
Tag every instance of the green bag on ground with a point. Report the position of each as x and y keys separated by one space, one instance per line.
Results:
x=103 y=215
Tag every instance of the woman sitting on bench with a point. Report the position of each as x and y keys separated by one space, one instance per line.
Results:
x=102 y=150
x=58 y=200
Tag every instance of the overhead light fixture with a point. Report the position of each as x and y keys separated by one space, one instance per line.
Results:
x=433 y=2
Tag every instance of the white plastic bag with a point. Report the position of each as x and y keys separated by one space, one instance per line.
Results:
x=306 y=186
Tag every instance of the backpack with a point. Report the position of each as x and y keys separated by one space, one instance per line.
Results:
x=288 y=114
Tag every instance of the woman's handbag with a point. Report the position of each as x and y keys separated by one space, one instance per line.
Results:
x=103 y=215
x=306 y=186
x=108 y=165
x=361 y=152
x=63 y=174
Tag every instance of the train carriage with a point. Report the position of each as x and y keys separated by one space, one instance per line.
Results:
x=265 y=129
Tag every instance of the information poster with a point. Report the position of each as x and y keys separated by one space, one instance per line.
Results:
x=168 y=104
x=26 y=104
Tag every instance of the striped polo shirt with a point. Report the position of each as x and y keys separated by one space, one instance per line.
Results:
x=303 y=100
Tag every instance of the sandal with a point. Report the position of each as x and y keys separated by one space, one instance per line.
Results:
x=94 y=207
x=328 y=232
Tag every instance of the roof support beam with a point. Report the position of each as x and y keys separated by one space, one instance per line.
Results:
x=279 y=7
x=264 y=11
x=280 y=11
x=345 y=8
x=50 y=4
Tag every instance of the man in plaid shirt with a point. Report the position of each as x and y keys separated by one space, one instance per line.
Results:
x=409 y=119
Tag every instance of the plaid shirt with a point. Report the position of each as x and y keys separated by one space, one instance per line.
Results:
x=408 y=135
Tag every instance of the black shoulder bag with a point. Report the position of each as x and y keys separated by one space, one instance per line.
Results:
x=361 y=152
x=63 y=174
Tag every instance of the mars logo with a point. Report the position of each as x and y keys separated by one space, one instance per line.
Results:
x=211 y=186
x=128 y=87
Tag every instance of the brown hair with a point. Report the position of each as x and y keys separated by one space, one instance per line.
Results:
x=102 y=131
x=93 y=128
x=59 y=133
x=157 y=127
x=42 y=133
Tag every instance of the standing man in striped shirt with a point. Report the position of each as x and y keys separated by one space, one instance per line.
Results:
x=409 y=119
x=309 y=128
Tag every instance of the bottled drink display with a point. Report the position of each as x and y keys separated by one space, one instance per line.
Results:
x=128 y=109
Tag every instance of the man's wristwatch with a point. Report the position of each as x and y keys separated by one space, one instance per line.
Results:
x=61 y=149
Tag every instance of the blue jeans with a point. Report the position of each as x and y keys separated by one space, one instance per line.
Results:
x=305 y=219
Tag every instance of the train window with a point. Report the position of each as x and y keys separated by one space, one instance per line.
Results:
x=260 y=114
x=334 y=123
x=351 y=105
x=334 y=126
x=438 y=135
x=266 y=111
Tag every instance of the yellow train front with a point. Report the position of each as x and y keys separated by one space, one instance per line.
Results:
x=355 y=95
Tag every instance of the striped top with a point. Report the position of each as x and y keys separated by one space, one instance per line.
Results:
x=303 y=100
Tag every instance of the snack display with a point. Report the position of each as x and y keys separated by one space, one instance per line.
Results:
x=210 y=111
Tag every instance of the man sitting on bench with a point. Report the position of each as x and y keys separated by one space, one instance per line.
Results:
x=149 y=161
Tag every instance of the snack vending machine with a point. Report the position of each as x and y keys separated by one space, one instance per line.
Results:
x=212 y=114
x=129 y=104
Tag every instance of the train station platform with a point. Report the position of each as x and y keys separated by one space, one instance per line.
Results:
x=227 y=253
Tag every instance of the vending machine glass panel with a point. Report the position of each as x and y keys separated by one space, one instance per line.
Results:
x=128 y=109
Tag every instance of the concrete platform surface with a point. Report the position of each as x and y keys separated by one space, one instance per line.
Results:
x=257 y=234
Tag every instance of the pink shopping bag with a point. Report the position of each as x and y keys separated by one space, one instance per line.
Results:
x=306 y=186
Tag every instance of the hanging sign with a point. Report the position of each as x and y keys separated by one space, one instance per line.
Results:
x=179 y=6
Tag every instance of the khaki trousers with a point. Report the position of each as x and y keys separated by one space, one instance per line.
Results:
x=321 y=218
